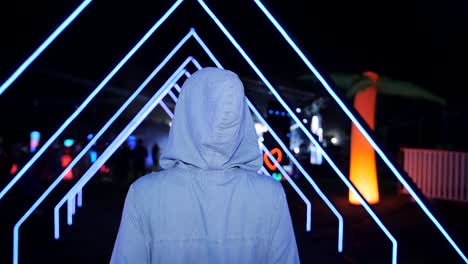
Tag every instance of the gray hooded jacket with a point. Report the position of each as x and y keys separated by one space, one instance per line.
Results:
x=209 y=205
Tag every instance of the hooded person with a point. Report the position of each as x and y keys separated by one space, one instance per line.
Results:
x=209 y=204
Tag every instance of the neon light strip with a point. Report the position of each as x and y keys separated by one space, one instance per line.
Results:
x=265 y=171
x=283 y=146
x=168 y=112
x=71 y=209
x=73 y=204
x=44 y=45
x=80 y=198
x=188 y=73
x=90 y=97
x=70 y=218
x=112 y=148
x=290 y=181
x=195 y=62
x=304 y=129
x=363 y=130
x=172 y=95
x=178 y=87
x=280 y=168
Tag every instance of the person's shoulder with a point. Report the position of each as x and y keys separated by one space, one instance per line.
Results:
x=147 y=187
x=149 y=181
x=264 y=183
x=264 y=179
x=266 y=191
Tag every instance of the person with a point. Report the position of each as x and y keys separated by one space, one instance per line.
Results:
x=6 y=163
x=155 y=157
x=209 y=204
x=122 y=164
x=139 y=158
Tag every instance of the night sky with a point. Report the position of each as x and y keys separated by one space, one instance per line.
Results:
x=419 y=41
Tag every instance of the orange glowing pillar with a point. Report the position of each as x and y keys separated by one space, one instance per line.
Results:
x=363 y=172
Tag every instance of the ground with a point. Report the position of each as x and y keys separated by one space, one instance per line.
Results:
x=90 y=239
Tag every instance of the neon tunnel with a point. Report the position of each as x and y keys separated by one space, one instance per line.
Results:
x=258 y=115
x=74 y=196
x=114 y=146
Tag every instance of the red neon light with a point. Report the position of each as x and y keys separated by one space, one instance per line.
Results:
x=104 y=169
x=14 y=169
x=266 y=160
x=65 y=160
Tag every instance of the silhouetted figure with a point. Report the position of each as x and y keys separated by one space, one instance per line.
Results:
x=123 y=161
x=29 y=183
x=139 y=157
x=6 y=163
x=56 y=160
x=155 y=157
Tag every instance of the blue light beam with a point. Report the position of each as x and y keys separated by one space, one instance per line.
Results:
x=80 y=199
x=177 y=87
x=172 y=95
x=43 y=46
x=283 y=146
x=361 y=128
x=166 y=109
x=265 y=171
x=69 y=211
x=113 y=147
x=89 y=98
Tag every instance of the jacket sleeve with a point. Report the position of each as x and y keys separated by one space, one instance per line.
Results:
x=132 y=244
x=283 y=247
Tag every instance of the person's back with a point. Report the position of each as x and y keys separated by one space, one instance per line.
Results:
x=209 y=205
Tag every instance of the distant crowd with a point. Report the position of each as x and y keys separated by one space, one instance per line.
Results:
x=124 y=166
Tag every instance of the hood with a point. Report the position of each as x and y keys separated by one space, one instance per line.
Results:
x=212 y=127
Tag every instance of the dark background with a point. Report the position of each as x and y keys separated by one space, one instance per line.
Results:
x=418 y=41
